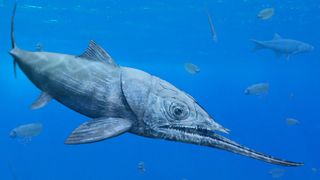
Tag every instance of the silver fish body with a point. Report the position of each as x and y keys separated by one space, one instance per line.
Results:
x=258 y=89
x=26 y=131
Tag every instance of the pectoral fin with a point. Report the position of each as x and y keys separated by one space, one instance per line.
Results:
x=98 y=129
x=42 y=100
x=277 y=54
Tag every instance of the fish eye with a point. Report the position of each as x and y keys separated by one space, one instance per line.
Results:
x=13 y=134
x=178 y=111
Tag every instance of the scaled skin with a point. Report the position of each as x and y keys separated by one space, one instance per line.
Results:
x=97 y=89
x=150 y=106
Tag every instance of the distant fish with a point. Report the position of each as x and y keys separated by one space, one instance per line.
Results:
x=51 y=21
x=27 y=6
x=39 y=47
x=27 y=131
x=276 y=173
x=314 y=170
x=141 y=167
x=281 y=46
x=266 y=13
x=292 y=121
x=213 y=31
x=191 y=68
x=257 y=89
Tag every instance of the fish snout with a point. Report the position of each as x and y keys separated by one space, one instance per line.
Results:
x=246 y=92
x=311 y=48
x=214 y=126
x=13 y=134
x=205 y=121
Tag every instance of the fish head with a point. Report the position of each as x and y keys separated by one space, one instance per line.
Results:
x=172 y=113
x=13 y=134
x=247 y=91
x=304 y=47
x=165 y=112
x=160 y=108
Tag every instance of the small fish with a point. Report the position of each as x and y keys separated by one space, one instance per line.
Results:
x=39 y=47
x=276 y=173
x=314 y=170
x=266 y=13
x=27 y=131
x=213 y=31
x=191 y=68
x=52 y=21
x=27 y=6
x=292 y=121
x=257 y=89
x=141 y=167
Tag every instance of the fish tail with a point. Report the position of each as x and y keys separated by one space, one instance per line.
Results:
x=258 y=45
x=13 y=42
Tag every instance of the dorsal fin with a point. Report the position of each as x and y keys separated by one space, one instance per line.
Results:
x=97 y=53
x=277 y=36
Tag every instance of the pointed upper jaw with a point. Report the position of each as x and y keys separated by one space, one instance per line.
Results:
x=205 y=137
x=311 y=48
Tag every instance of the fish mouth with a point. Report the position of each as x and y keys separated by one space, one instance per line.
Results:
x=189 y=130
x=312 y=48
x=206 y=137
x=13 y=134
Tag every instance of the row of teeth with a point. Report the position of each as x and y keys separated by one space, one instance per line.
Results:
x=199 y=136
x=186 y=130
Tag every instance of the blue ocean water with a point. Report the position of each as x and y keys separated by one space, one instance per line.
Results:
x=159 y=36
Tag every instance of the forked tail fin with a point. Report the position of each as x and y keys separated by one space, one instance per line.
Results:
x=13 y=43
x=258 y=45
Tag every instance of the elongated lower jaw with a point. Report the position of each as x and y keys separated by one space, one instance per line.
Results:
x=208 y=138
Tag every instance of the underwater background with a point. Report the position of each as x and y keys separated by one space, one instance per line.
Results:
x=159 y=37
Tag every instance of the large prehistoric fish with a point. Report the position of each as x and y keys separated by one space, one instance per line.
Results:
x=122 y=99
x=281 y=46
